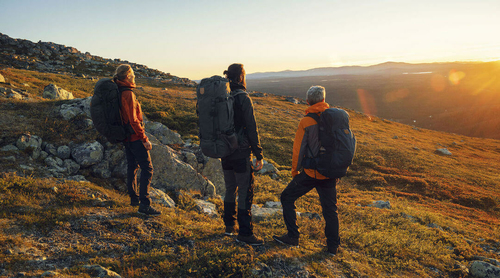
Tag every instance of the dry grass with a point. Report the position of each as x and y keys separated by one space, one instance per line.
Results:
x=445 y=209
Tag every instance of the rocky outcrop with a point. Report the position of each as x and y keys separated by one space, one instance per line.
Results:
x=57 y=58
x=52 y=91
x=170 y=172
x=163 y=133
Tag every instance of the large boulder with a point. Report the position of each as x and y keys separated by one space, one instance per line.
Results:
x=213 y=171
x=75 y=108
x=163 y=133
x=88 y=154
x=52 y=91
x=170 y=172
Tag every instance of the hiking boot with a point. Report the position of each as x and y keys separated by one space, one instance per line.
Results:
x=250 y=240
x=285 y=239
x=230 y=231
x=148 y=210
x=134 y=202
x=332 y=250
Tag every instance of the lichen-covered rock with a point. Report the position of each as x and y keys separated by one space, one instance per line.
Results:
x=482 y=269
x=9 y=148
x=259 y=213
x=75 y=108
x=52 y=91
x=160 y=197
x=170 y=172
x=102 y=170
x=381 y=204
x=207 y=208
x=88 y=154
x=71 y=166
x=163 y=133
x=213 y=172
x=29 y=141
x=63 y=152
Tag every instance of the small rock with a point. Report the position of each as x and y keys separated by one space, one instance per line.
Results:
x=435 y=226
x=158 y=196
x=9 y=159
x=9 y=148
x=271 y=204
x=2 y=79
x=381 y=204
x=207 y=208
x=100 y=271
x=26 y=168
x=395 y=137
x=63 y=152
x=443 y=151
x=50 y=274
x=55 y=189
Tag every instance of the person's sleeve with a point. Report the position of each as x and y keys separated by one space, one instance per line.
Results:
x=128 y=106
x=251 y=128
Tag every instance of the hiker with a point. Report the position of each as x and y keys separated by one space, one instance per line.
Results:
x=238 y=168
x=137 y=145
x=307 y=142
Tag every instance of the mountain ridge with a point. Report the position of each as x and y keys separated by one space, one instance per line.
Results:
x=395 y=67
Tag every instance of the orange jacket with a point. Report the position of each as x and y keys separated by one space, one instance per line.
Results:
x=131 y=111
x=307 y=140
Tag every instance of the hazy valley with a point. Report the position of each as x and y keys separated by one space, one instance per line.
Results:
x=462 y=98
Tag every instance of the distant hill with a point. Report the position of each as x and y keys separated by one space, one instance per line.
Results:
x=461 y=98
x=384 y=68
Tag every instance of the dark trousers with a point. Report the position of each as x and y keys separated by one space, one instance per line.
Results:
x=239 y=180
x=138 y=156
x=298 y=187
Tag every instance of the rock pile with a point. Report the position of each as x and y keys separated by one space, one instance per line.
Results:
x=57 y=58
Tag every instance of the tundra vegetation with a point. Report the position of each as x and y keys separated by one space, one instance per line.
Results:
x=444 y=209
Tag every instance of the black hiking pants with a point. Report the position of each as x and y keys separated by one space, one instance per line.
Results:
x=298 y=187
x=138 y=156
x=239 y=180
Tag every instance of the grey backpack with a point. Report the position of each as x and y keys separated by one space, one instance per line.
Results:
x=215 y=109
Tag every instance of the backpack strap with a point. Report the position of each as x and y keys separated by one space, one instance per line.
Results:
x=314 y=116
x=317 y=119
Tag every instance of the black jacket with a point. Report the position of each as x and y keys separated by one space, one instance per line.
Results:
x=246 y=128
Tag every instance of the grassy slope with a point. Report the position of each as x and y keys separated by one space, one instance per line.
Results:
x=93 y=224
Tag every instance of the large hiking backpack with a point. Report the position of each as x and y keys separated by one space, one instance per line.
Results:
x=105 y=111
x=337 y=144
x=215 y=109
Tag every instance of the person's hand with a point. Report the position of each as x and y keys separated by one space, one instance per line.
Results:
x=258 y=165
x=147 y=145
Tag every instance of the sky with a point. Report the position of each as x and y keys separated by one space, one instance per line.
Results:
x=199 y=38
